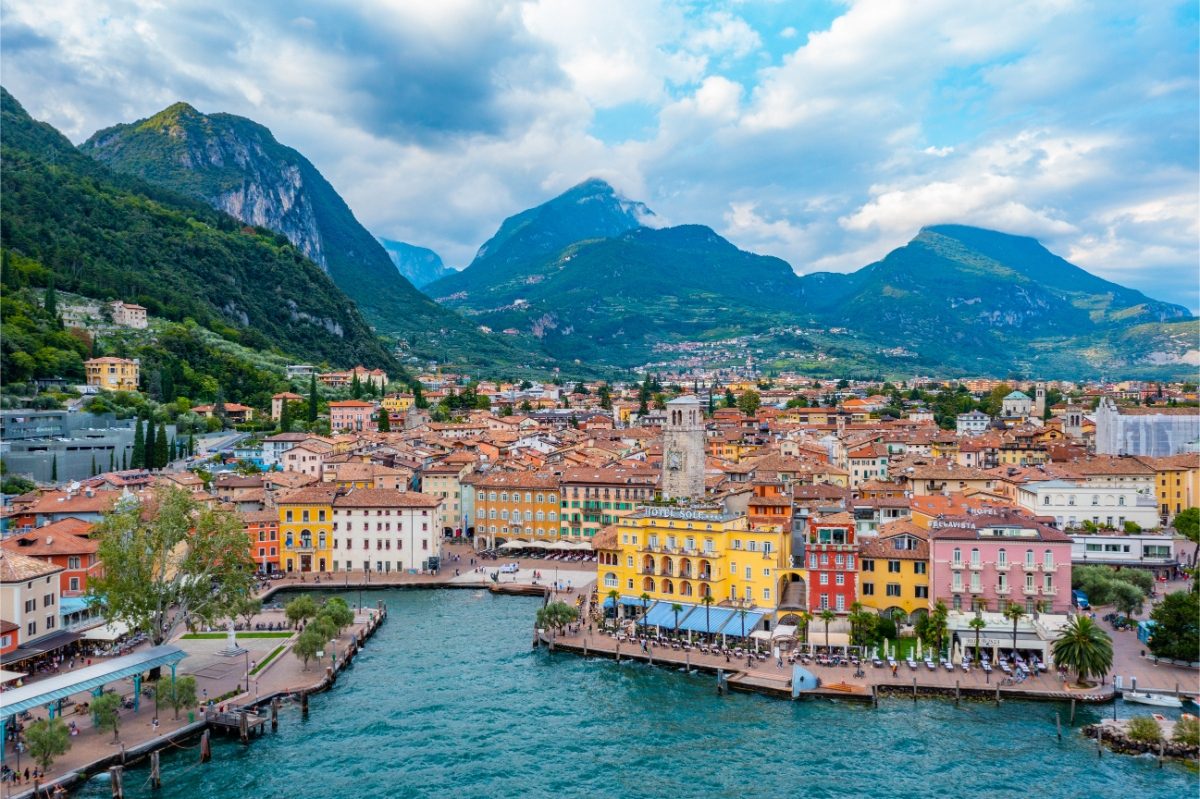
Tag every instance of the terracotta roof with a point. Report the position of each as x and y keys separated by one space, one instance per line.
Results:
x=517 y=480
x=43 y=542
x=968 y=527
x=59 y=502
x=322 y=494
x=1097 y=465
x=16 y=568
x=385 y=498
x=841 y=518
x=260 y=517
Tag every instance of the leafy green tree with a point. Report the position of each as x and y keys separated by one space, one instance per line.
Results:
x=1083 y=648
x=1127 y=598
x=309 y=643
x=730 y=400
x=827 y=616
x=50 y=300
x=1144 y=729
x=1187 y=524
x=676 y=608
x=1176 y=633
x=338 y=613
x=300 y=609
x=106 y=709
x=356 y=390
x=246 y=608
x=385 y=423
x=749 y=402
x=605 y=397
x=177 y=693
x=285 y=417
x=168 y=560
x=47 y=740
x=556 y=615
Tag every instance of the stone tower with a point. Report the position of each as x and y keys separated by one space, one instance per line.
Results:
x=1039 y=401
x=683 y=450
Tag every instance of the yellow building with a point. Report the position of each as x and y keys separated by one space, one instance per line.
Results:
x=113 y=374
x=893 y=571
x=397 y=403
x=679 y=556
x=515 y=506
x=306 y=529
x=1176 y=483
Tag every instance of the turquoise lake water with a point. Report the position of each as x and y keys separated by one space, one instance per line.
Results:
x=448 y=699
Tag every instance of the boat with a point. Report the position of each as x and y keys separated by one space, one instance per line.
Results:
x=1158 y=700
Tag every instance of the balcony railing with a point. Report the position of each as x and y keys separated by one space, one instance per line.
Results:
x=976 y=567
x=1029 y=590
x=1003 y=590
x=976 y=588
x=957 y=588
x=1003 y=567
x=1029 y=567
x=1051 y=591
x=957 y=565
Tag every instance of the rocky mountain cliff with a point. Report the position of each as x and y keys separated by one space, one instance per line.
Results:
x=420 y=265
x=237 y=165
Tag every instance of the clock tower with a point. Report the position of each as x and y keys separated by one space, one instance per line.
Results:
x=683 y=450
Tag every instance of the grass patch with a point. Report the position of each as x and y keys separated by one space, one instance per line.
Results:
x=210 y=636
x=267 y=660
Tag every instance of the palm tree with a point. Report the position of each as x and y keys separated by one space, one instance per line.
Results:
x=1014 y=613
x=805 y=619
x=827 y=616
x=645 y=606
x=1084 y=648
x=676 y=608
x=615 y=595
x=742 y=613
x=707 y=600
x=977 y=624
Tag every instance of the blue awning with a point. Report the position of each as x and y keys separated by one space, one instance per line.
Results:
x=661 y=615
x=734 y=625
x=631 y=602
x=72 y=604
x=704 y=620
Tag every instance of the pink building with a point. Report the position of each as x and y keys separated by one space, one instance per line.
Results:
x=353 y=415
x=987 y=562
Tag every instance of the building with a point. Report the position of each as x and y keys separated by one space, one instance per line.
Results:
x=235 y=412
x=306 y=529
x=30 y=598
x=262 y=530
x=113 y=374
x=278 y=400
x=987 y=562
x=384 y=530
x=444 y=479
x=515 y=506
x=127 y=314
x=832 y=563
x=893 y=572
x=1158 y=552
x=299 y=370
x=352 y=415
x=1146 y=430
x=273 y=447
x=375 y=377
x=1072 y=502
x=1177 y=483
x=64 y=544
x=1016 y=405
x=683 y=450
x=593 y=499
x=74 y=445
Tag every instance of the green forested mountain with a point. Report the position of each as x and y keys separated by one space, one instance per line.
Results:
x=236 y=165
x=68 y=221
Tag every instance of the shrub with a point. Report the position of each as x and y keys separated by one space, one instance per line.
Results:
x=1144 y=729
x=1187 y=732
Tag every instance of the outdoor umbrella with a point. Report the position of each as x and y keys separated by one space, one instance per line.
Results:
x=918 y=648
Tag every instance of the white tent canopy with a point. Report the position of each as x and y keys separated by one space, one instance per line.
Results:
x=784 y=631
x=109 y=632
x=762 y=635
x=514 y=545
x=9 y=676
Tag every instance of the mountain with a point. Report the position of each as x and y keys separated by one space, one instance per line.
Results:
x=582 y=276
x=237 y=166
x=419 y=265
x=590 y=210
x=68 y=221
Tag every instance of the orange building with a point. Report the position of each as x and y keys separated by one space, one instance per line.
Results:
x=65 y=544
x=262 y=528
x=520 y=506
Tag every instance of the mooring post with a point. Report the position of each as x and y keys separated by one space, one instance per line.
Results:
x=1100 y=740
x=956 y=692
x=687 y=662
x=618 y=651
x=155 y=771
x=205 y=748
x=1058 y=723
x=244 y=727
x=1073 y=710
x=304 y=703
x=114 y=778
x=997 y=694
x=874 y=695
x=1161 y=747
x=914 y=689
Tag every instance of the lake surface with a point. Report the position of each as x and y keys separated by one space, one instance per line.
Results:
x=448 y=699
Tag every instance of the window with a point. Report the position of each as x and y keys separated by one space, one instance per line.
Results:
x=823 y=579
x=868 y=589
x=841 y=602
x=868 y=565
x=767 y=594
x=919 y=567
x=922 y=592
x=610 y=580
x=957 y=556
x=1002 y=558
x=1029 y=557
x=893 y=567
x=74 y=584
x=893 y=589
x=839 y=579
x=1048 y=560
x=974 y=556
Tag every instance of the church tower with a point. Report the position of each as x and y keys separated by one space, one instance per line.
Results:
x=1039 y=401
x=683 y=450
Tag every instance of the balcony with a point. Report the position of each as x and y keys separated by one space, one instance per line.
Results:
x=1029 y=590
x=1048 y=568
x=1051 y=591
x=1029 y=568
x=957 y=589
x=976 y=588
x=1003 y=590
x=957 y=565
x=976 y=567
x=1003 y=567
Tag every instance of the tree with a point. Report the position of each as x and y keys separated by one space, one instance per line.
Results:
x=285 y=417
x=312 y=398
x=247 y=608
x=176 y=693
x=1083 y=648
x=1187 y=524
x=827 y=616
x=1144 y=729
x=46 y=740
x=218 y=410
x=605 y=397
x=977 y=624
x=645 y=605
x=1176 y=633
x=707 y=600
x=556 y=615
x=338 y=613
x=749 y=402
x=805 y=619
x=676 y=608
x=355 y=386
x=1127 y=598
x=161 y=457
x=150 y=455
x=385 y=423
x=309 y=643
x=107 y=710
x=168 y=560
x=54 y=469
x=730 y=400
x=50 y=301
x=300 y=609
x=1014 y=613
x=615 y=596
x=580 y=388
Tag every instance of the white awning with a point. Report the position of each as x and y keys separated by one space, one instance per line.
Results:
x=784 y=631
x=9 y=676
x=514 y=545
x=817 y=638
x=762 y=635
x=109 y=632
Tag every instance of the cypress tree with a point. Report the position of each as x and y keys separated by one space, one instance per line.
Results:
x=285 y=418
x=355 y=387
x=385 y=424
x=54 y=469
x=161 y=458
x=150 y=452
x=312 y=398
x=191 y=445
x=51 y=301
x=124 y=459
x=138 y=459
x=112 y=459
x=95 y=471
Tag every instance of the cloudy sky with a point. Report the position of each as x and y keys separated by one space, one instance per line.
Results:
x=825 y=133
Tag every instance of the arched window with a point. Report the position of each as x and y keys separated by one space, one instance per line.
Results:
x=610 y=580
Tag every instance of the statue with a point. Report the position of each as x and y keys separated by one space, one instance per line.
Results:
x=231 y=634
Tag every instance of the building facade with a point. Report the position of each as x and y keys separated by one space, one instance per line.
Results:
x=683 y=450
x=383 y=530
x=515 y=506
x=113 y=374
x=1145 y=430
x=306 y=529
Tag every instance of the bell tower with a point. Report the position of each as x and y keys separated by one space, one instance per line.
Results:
x=683 y=450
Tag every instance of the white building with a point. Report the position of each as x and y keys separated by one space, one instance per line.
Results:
x=1072 y=503
x=384 y=530
x=127 y=314
x=30 y=594
x=1017 y=405
x=1141 y=550
x=971 y=424
x=1145 y=430
x=273 y=447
